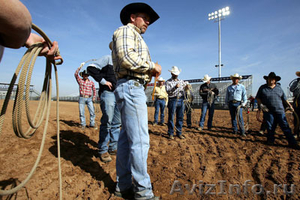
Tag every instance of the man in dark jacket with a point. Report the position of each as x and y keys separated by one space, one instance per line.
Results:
x=102 y=71
x=208 y=91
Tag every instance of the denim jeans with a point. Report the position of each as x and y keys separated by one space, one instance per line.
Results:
x=232 y=110
x=110 y=122
x=211 y=110
x=89 y=103
x=175 y=106
x=133 y=143
x=159 y=105
x=272 y=119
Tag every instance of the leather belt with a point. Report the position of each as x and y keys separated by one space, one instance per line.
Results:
x=85 y=96
x=234 y=101
x=139 y=80
x=176 y=97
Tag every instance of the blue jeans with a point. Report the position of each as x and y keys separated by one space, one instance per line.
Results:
x=211 y=110
x=89 y=103
x=133 y=143
x=110 y=122
x=159 y=105
x=175 y=106
x=272 y=119
x=232 y=110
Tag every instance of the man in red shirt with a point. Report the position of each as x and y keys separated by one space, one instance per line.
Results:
x=87 y=95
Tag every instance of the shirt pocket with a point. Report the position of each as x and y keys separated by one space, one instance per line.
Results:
x=238 y=91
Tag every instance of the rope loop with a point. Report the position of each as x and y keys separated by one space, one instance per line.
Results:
x=25 y=69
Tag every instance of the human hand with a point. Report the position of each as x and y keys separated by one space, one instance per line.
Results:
x=289 y=108
x=264 y=108
x=178 y=85
x=156 y=70
x=108 y=84
x=49 y=53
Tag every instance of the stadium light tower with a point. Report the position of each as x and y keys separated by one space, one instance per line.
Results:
x=218 y=16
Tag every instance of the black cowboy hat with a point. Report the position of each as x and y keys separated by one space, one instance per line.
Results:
x=133 y=8
x=272 y=75
x=84 y=72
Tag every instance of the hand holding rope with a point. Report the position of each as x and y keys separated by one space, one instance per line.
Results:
x=43 y=110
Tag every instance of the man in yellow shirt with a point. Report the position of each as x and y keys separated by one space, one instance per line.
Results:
x=161 y=100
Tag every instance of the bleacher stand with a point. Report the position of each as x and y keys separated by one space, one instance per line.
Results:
x=222 y=84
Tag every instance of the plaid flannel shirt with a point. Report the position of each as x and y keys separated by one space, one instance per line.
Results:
x=85 y=87
x=130 y=54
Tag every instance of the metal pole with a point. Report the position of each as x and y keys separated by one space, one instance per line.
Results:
x=219 y=47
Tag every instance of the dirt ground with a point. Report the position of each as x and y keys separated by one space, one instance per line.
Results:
x=212 y=164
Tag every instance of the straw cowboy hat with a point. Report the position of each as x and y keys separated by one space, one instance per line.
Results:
x=175 y=70
x=236 y=75
x=133 y=8
x=206 y=78
x=84 y=72
x=298 y=73
x=160 y=79
x=272 y=75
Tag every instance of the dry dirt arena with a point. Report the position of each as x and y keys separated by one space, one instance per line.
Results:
x=206 y=165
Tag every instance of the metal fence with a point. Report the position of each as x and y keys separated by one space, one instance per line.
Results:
x=221 y=83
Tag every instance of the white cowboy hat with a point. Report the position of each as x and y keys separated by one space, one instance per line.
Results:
x=175 y=70
x=160 y=79
x=206 y=78
x=236 y=75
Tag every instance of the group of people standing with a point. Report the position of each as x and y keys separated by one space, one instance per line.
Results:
x=179 y=96
x=122 y=79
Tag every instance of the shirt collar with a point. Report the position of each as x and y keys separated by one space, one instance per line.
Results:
x=134 y=27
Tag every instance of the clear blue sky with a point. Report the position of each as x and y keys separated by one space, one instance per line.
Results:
x=258 y=37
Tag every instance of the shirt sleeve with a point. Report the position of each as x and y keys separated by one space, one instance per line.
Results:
x=77 y=77
x=258 y=94
x=226 y=97
x=94 y=89
x=95 y=73
x=215 y=90
x=284 y=98
x=156 y=91
x=294 y=85
x=201 y=92
x=244 y=96
x=129 y=56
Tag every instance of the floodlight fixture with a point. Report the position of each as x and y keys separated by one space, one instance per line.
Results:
x=218 y=16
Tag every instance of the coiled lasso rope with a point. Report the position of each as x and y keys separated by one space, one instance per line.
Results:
x=246 y=125
x=43 y=110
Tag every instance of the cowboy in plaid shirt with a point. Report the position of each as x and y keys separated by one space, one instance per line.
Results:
x=87 y=91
